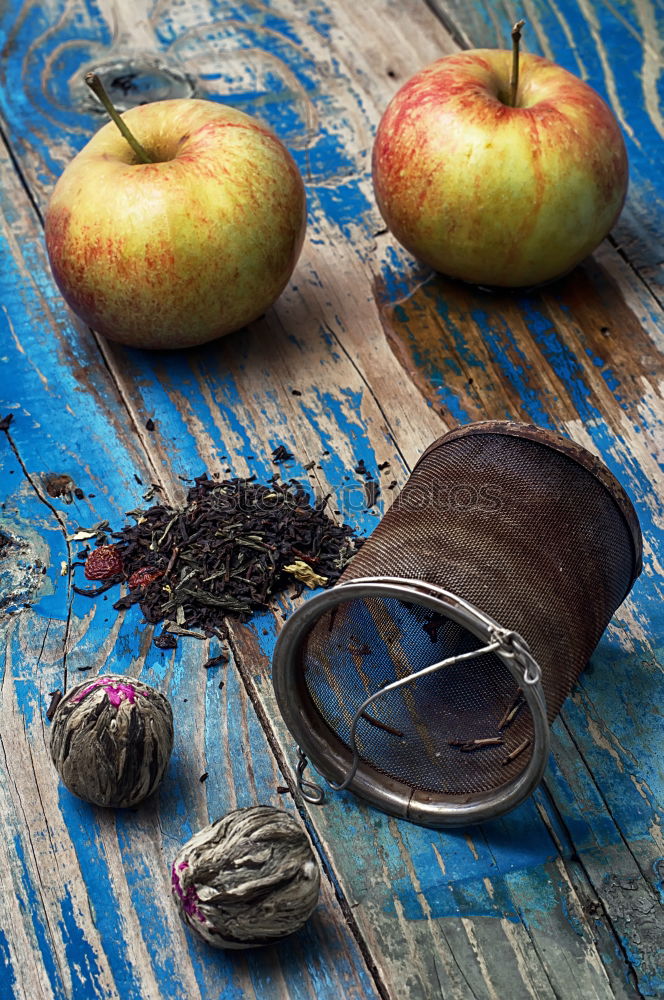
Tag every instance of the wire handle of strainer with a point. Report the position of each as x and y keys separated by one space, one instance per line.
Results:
x=511 y=645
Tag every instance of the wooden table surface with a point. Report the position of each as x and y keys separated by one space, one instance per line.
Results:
x=365 y=356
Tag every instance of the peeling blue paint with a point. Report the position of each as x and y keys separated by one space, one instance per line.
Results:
x=589 y=813
x=31 y=905
x=80 y=955
x=7 y=977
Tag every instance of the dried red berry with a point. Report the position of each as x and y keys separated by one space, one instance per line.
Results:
x=143 y=576
x=103 y=563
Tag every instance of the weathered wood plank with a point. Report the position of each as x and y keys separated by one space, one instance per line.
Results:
x=94 y=917
x=618 y=48
x=220 y=403
x=526 y=357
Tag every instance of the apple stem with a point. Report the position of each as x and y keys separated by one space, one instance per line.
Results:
x=514 y=79
x=97 y=88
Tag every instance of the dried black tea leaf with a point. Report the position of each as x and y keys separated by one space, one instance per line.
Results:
x=165 y=640
x=111 y=740
x=216 y=661
x=282 y=454
x=371 y=492
x=56 y=698
x=249 y=879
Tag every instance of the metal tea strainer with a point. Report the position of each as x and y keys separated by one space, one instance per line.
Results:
x=426 y=680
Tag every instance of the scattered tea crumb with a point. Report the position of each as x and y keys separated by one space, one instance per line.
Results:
x=361 y=468
x=165 y=640
x=490 y=741
x=281 y=454
x=468 y=746
x=309 y=466
x=216 y=661
x=383 y=465
x=204 y=777
x=283 y=789
x=221 y=685
x=97 y=531
x=512 y=710
x=392 y=484
x=6 y=421
x=295 y=392
x=94 y=591
x=173 y=627
x=516 y=752
x=381 y=725
x=79 y=494
x=149 y=424
x=371 y=492
x=56 y=698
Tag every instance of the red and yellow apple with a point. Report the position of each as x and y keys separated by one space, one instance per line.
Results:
x=190 y=247
x=494 y=194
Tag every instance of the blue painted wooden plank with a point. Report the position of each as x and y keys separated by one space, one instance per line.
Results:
x=8 y=979
x=94 y=886
x=222 y=401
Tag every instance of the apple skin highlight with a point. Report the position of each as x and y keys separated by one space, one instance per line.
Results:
x=498 y=195
x=180 y=251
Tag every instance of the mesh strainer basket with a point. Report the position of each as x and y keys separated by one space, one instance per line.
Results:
x=426 y=680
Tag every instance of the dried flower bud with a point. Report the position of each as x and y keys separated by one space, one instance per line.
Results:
x=103 y=563
x=111 y=740
x=248 y=879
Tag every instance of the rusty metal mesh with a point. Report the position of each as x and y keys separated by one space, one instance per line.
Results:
x=542 y=540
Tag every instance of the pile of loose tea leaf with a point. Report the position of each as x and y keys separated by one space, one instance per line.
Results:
x=225 y=552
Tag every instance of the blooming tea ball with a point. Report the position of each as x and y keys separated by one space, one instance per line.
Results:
x=111 y=740
x=248 y=879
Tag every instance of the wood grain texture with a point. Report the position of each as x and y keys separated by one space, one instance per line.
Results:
x=560 y=898
x=85 y=908
x=616 y=46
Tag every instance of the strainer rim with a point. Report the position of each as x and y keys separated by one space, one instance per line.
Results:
x=330 y=756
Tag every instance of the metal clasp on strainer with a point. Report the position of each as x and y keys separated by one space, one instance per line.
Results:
x=514 y=645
